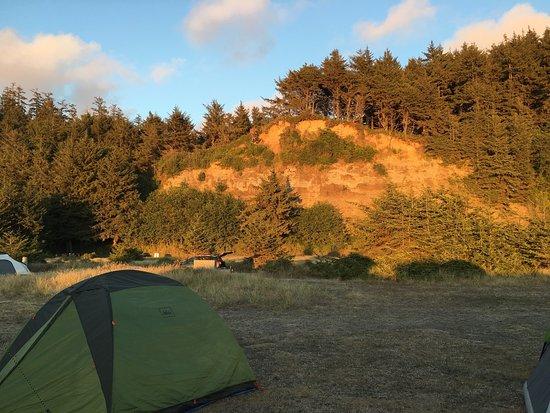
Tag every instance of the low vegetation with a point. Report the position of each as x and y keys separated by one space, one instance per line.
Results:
x=325 y=148
x=238 y=154
x=381 y=345
x=220 y=289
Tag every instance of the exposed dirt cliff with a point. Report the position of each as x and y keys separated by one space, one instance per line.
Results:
x=345 y=185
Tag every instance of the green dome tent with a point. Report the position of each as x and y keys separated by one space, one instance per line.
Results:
x=536 y=389
x=123 y=341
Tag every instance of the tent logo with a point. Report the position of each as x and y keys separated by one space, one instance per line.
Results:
x=166 y=312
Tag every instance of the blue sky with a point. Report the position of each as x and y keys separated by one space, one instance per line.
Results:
x=145 y=55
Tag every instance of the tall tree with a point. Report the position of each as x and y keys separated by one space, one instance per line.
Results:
x=179 y=132
x=240 y=123
x=215 y=128
x=270 y=219
x=336 y=81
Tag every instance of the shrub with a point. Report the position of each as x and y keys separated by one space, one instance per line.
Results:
x=380 y=169
x=321 y=229
x=122 y=253
x=195 y=221
x=221 y=186
x=238 y=154
x=441 y=227
x=325 y=149
x=88 y=256
x=202 y=176
x=346 y=268
x=437 y=270
x=279 y=266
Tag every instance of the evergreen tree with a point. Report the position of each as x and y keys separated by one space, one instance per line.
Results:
x=361 y=80
x=336 y=82
x=215 y=128
x=270 y=219
x=116 y=198
x=240 y=123
x=387 y=81
x=258 y=118
x=179 y=132
x=300 y=93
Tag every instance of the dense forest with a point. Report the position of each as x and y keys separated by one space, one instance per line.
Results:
x=73 y=182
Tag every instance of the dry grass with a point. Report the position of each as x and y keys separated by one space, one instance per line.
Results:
x=219 y=288
x=375 y=346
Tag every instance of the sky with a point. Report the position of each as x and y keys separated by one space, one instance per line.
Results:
x=152 y=55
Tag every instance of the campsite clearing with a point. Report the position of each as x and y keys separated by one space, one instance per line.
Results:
x=374 y=345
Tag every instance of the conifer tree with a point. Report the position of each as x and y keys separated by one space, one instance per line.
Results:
x=336 y=81
x=270 y=219
x=361 y=71
x=116 y=198
x=179 y=132
x=215 y=128
x=240 y=123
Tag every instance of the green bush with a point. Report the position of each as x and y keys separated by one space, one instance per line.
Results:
x=202 y=176
x=380 y=169
x=441 y=227
x=122 y=253
x=221 y=186
x=346 y=268
x=279 y=266
x=321 y=229
x=239 y=154
x=326 y=148
x=194 y=221
x=436 y=270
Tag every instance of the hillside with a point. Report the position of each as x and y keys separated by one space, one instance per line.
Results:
x=346 y=185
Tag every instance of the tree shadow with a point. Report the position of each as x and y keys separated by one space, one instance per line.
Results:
x=434 y=270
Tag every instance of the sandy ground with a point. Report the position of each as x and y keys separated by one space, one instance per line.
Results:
x=383 y=347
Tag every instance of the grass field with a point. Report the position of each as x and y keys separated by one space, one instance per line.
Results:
x=323 y=346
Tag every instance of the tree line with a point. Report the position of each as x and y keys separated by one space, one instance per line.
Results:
x=489 y=108
x=69 y=181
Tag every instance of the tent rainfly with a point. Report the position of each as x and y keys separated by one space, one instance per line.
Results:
x=536 y=389
x=9 y=266
x=125 y=341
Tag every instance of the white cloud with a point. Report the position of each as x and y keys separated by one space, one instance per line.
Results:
x=258 y=103
x=63 y=63
x=485 y=33
x=241 y=28
x=400 y=17
x=162 y=71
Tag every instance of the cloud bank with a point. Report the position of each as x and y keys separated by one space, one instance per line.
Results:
x=400 y=17
x=165 y=70
x=240 y=28
x=488 y=32
x=63 y=63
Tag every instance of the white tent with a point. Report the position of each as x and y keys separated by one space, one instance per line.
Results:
x=9 y=266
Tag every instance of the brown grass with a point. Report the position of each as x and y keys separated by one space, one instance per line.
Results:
x=219 y=288
x=375 y=346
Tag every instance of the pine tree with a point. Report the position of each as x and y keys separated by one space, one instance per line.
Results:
x=216 y=127
x=13 y=111
x=179 y=132
x=240 y=123
x=301 y=93
x=270 y=219
x=361 y=72
x=257 y=116
x=116 y=197
x=336 y=81
x=387 y=81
